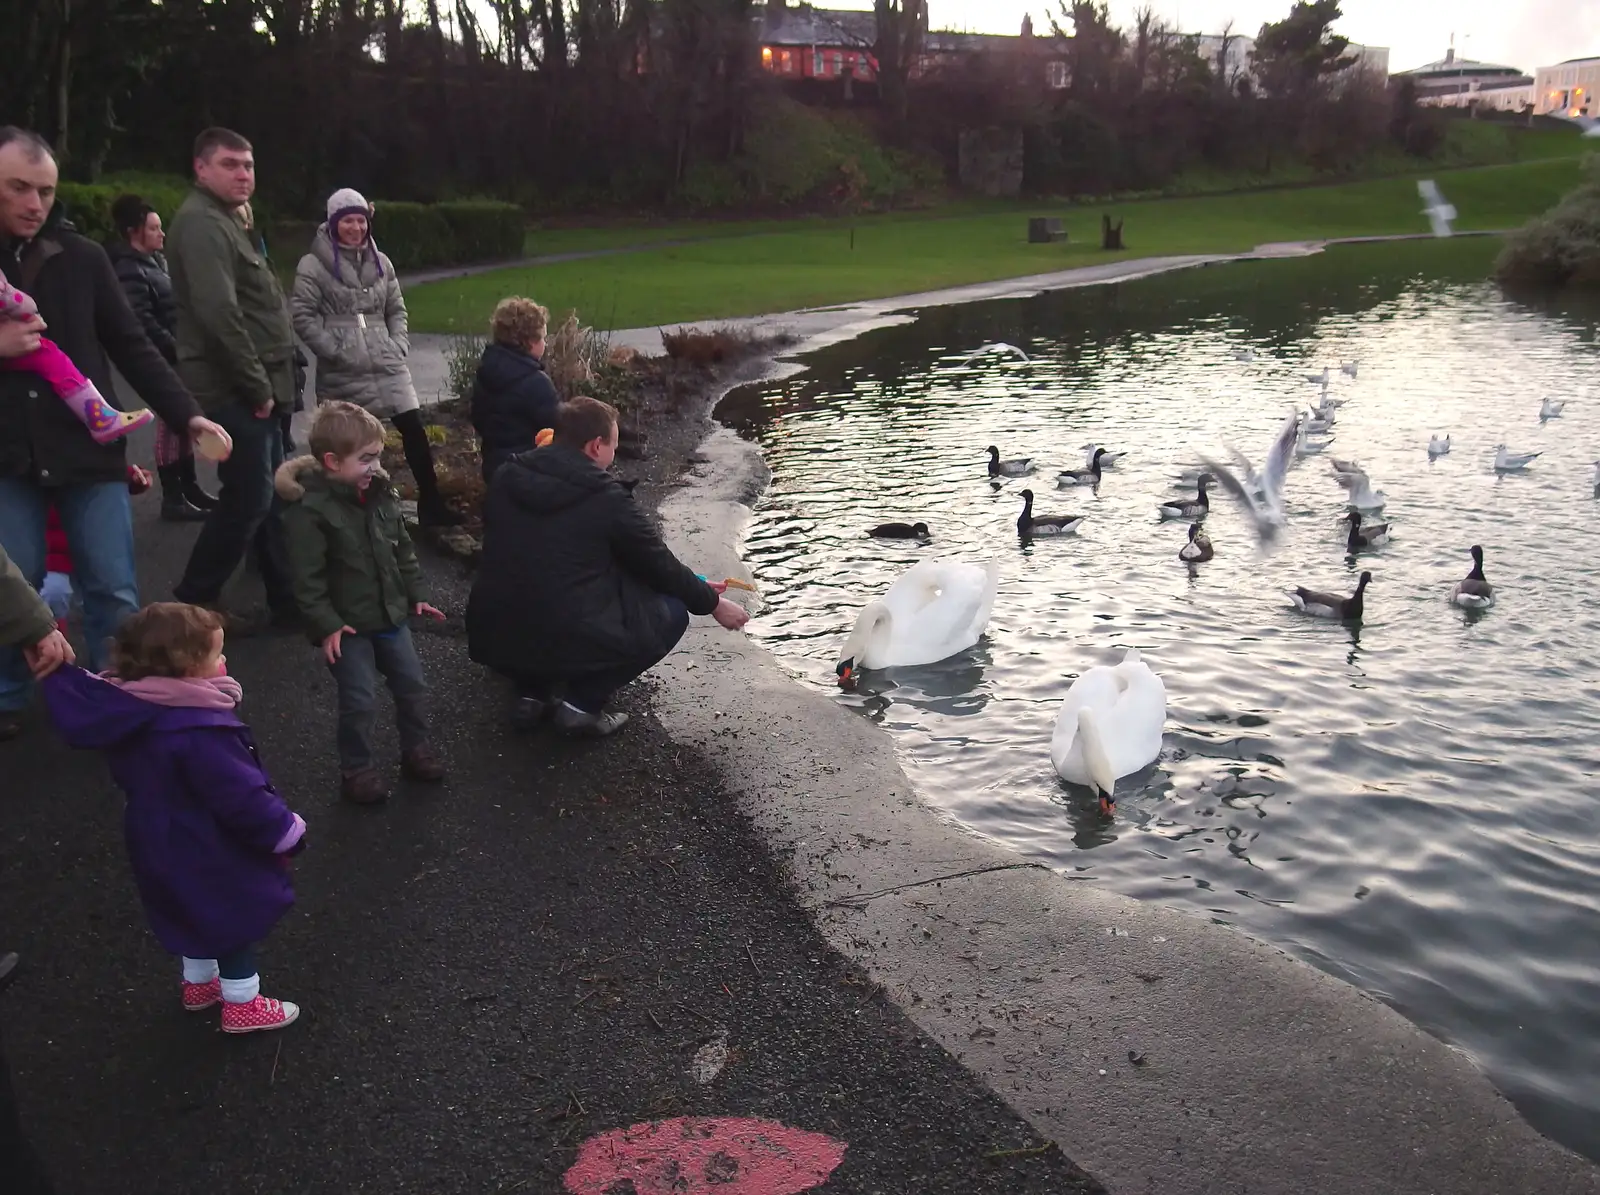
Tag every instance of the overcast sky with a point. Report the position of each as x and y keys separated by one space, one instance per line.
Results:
x=1522 y=33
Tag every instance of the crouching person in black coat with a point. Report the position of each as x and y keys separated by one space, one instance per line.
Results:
x=576 y=594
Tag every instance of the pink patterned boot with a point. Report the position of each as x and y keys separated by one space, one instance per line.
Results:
x=255 y=1015
x=105 y=423
x=197 y=997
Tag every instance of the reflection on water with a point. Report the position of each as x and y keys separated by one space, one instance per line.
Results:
x=1408 y=804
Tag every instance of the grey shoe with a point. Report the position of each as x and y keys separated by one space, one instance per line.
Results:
x=578 y=724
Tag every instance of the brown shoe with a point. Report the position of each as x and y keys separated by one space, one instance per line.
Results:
x=420 y=763
x=365 y=787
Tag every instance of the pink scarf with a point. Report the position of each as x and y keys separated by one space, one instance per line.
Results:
x=184 y=692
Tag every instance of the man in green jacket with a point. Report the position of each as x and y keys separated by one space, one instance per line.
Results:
x=357 y=581
x=236 y=356
x=25 y=622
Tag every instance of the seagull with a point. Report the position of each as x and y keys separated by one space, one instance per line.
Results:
x=1550 y=409
x=1328 y=400
x=1349 y=368
x=1245 y=355
x=998 y=346
x=1344 y=466
x=1440 y=214
x=1321 y=378
x=1362 y=496
x=1266 y=508
x=1304 y=445
x=1597 y=478
x=1510 y=462
x=1438 y=446
x=1315 y=422
x=1107 y=459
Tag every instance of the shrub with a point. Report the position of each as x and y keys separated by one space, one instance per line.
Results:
x=1561 y=247
x=414 y=235
x=462 y=354
x=483 y=230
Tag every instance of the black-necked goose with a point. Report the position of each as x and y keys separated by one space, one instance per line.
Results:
x=1190 y=508
x=1089 y=476
x=1474 y=592
x=1030 y=524
x=900 y=531
x=1331 y=605
x=1018 y=466
x=1198 y=550
x=1364 y=535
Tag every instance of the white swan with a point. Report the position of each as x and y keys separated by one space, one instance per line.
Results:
x=933 y=610
x=1438 y=446
x=1507 y=462
x=1110 y=725
x=1550 y=409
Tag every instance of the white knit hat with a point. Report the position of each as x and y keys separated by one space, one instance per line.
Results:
x=347 y=202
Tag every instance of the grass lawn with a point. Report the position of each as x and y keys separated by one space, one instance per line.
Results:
x=814 y=264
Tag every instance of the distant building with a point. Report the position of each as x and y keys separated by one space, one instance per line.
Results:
x=1229 y=57
x=1568 y=88
x=802 y=42
x=1453 y=82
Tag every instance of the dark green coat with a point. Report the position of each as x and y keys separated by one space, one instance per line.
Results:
x=24 y=618
x=235 y=341
x=351 y=561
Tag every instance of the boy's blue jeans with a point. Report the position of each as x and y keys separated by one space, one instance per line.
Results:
x=362 y=659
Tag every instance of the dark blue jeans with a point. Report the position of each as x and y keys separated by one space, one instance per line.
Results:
x=99 y=524
x=248 y=515
x=591 y=691
x=361 y=659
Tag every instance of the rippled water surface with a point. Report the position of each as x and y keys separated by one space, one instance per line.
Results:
x=1411 y=805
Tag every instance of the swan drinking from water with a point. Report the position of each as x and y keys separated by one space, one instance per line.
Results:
x=933 y=610
x=1110 y=726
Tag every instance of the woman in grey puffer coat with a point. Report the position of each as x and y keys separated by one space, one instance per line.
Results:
x=348 y=309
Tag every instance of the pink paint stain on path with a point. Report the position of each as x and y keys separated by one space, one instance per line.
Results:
x=721 y=1155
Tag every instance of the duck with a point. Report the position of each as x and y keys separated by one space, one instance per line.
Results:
x=1262 y=493
x=1509 y=462
x=1107 y=459
x=1550 y=409
x=933 y=610
x=1198 y=550
x=1350 y=368
x=1474 y=592
x=1089 y=476
x=1330 y=605
x=1369 y=535
x=1362 y=496
x=900 y=531
x=1110 y=725
x=1438 y=446
x=1190 y=508
x=998 y=346
x=1018 y=466
x=1030 y=524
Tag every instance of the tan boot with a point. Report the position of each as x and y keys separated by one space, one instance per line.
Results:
x=365 y=787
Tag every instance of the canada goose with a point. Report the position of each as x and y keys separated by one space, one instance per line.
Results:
x=1474 y=592
x=1332 y=605
x=1198 y=550
x=900 y=531
x=1015 y=467
x=1029 y=524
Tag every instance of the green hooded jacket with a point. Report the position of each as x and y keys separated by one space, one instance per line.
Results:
x=24 y=618
x=350 y=559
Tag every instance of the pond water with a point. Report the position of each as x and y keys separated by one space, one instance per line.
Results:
x=1410 y=804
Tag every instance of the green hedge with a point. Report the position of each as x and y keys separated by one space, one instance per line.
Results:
x=89 y=204
x=419 y=235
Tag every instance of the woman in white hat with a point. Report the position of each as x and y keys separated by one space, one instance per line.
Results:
x=348 y=309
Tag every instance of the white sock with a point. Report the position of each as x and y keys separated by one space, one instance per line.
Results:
x=199 y=970
x=241 y=991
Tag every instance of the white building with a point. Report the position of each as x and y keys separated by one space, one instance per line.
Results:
x=1453 y=82
x=1233 y=61
x=1568 y=88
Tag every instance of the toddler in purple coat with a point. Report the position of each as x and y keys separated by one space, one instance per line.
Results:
x=207 y=833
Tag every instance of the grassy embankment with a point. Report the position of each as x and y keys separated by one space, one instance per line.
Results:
x=744 y=269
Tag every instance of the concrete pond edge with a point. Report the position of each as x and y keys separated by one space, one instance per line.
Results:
x=1161 y=1052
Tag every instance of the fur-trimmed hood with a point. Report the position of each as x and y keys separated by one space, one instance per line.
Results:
x=292 y=476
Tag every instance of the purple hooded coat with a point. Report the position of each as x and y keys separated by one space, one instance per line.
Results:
x=202 y=819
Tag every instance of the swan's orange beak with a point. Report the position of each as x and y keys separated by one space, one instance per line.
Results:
x=847 y=674
x=1108 y=806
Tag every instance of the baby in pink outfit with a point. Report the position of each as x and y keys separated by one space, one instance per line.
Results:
x=104 y=421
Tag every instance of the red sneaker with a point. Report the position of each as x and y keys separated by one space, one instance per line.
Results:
x=261 y=1013
x=197 y=997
